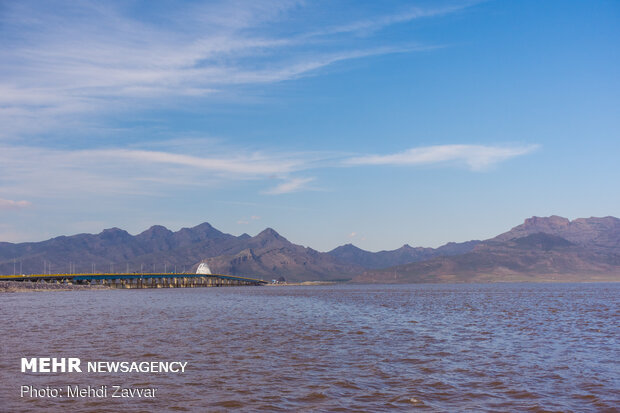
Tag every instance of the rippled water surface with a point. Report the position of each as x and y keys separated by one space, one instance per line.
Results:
x=500 y=347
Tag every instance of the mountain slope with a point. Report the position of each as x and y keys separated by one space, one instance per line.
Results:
x=270 y=255
x=158 y=249
x=352 y=255
x=591 y=232
x=113 y=249
x=552 y=248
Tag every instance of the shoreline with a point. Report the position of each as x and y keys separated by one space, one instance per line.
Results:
x=27 y=286
x=23 y=286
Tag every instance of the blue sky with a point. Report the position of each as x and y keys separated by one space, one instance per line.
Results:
x=375 y=123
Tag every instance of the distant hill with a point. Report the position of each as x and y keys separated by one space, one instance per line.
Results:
x=350 y=254
x=114 y=249
x=158 y=249
x=549 y=248
x=588 y=232
x=270 y=255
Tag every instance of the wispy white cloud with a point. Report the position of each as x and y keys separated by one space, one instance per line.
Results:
x=6 y=204
x=289 y=186
x=254 y=164
x=34 y=172
x=476 y=157
x=31 y=171
x=88 y=59
x=380 y=22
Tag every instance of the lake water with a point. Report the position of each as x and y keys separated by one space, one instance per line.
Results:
x=500 y=347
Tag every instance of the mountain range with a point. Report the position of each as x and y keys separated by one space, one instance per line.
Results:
x=541 y=249
x=548 y=248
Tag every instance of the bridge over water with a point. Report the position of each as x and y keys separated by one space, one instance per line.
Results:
x=139 y=280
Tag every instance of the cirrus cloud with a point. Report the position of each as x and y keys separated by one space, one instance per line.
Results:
x=75 y=61
x=135 y=171
x=289 y=186
x=476 y=157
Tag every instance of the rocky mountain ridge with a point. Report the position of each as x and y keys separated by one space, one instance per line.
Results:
x=549 y=247
x=541 y=249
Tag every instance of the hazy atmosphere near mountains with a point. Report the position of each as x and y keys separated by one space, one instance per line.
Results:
x=365 y=123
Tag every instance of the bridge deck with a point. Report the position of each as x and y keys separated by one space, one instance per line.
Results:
x=123 y=276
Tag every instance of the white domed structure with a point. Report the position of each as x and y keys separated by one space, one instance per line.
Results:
x=203 y=268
